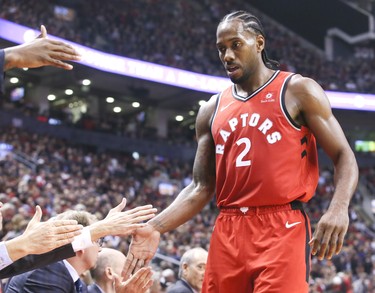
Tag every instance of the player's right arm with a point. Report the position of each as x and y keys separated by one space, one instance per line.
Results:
x=199 y=192
x=187 y=204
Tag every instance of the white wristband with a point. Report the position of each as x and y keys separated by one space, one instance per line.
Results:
x=83 y=240
x=4 y=256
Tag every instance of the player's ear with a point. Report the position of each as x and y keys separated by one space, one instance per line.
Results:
x=260 y=41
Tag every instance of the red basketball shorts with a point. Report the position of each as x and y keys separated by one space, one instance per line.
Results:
x=260 y=250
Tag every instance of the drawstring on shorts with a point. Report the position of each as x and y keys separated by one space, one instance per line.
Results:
x=260 y=210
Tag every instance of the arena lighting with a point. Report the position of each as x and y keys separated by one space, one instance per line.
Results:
x=13 y=80
x=109 y=100
x=86 y=82
x=136 y=105
x=351 y=101
x=117 y=109
x=135 y=155
x=179 y=118
x=69 y=92
x=164 y=74
x=51 y=97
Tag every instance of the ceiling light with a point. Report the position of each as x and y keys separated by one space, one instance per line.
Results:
x=136 y=105
x=191 y=113
x=117 y=109
x=69 y=92
x=179 y=118
x=14 y=80
x=201 y=102
x=86 y=82
x=135 y=155
x=51 y=97
x=109 y=100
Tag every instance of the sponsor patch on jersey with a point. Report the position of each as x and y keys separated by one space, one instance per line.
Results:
x=268 y=97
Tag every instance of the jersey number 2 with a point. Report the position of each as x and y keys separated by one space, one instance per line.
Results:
x=240 y=162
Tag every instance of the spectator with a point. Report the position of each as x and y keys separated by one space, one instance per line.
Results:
x=191 y=273
x=110 y=263
x=108 y=267
x=51 y=232
x=61 y=276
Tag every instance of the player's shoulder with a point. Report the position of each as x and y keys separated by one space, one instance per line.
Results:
x=305 y=91
x=299 y=82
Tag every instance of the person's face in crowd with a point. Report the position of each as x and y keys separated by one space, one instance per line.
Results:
x=193 y=273
x=91 y=255
x=156 y=287
x=238 y=50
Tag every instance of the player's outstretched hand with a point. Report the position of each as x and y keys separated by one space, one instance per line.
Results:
x=142 y=249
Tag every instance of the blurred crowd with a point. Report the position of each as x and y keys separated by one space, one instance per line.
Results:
x=62 y=175
x=181 y=34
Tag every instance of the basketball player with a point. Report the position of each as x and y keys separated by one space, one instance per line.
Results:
x=257 y=152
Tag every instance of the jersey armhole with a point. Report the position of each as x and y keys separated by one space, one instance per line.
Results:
x=283 y=105
x=218 y=97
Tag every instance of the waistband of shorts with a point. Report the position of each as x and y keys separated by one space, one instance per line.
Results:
x=294 y=205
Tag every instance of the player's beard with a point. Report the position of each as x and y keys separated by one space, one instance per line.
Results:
x=241 y=78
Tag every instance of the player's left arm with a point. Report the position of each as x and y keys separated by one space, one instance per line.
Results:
x=315 y=112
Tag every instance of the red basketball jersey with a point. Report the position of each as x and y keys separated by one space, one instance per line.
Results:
x=262 y=156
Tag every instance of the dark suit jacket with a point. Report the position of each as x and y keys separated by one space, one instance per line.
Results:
x=35 y=261
x=54 y=278
x=93 y=288
x=180 y=287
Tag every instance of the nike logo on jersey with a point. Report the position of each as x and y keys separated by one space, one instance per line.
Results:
x=226 y=106
x=287 y=225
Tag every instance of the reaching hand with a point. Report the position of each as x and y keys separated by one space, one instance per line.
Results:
x=329 y=235
x=140 y=282
x=122 y=223
x=40 y=237
x=142 y=249
x=40 y=52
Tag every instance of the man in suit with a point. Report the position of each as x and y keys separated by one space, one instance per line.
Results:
x=62 y=276
x=191 y=272
x=110 y=262
x=117 y=222
x=38 y=238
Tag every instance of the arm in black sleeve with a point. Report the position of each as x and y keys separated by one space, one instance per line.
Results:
x=35 y=261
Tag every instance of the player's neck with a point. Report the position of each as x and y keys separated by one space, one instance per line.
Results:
x=254 y=82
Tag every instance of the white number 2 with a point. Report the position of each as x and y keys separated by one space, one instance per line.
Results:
x=240 y=162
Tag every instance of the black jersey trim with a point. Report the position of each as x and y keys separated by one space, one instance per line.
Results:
x=283 y=105
x=238 y=97
x=218 y=98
